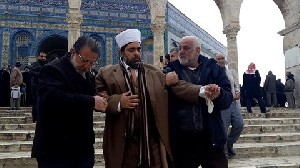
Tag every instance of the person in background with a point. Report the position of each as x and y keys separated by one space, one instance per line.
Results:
x=289 y=90
x=232 y=115
x=15 y=96
x=270 y=88
x=64 y=135
x=251 y=81
x=36 y=68
x=280 y=93
x=27 y=81
x=16 y=80
x=174 y=52
x=4 y=86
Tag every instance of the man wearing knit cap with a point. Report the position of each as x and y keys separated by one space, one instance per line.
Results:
x=136 y=125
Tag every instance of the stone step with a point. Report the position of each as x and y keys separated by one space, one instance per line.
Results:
x=251 y=150
x=22 y=108
x=27 y=135
x=15 y=120
x=271 y=121
x=252 y=129
x=15 y=114
x=26 y=146
x=269 y=138
x=288 y=114
x=29 y=126
x=18 y=135
x=266 y=162
x=28 y=119
x=24 y=160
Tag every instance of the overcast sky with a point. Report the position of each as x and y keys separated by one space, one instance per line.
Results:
x=258 y=40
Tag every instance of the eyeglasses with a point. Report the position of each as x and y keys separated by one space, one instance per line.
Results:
x=86 y=60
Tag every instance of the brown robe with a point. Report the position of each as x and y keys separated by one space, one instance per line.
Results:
x=111 y=79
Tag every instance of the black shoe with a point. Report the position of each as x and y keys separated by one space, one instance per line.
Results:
x=231 y=152
x=267 y=110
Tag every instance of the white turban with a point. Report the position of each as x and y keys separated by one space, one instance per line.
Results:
x=128 y=36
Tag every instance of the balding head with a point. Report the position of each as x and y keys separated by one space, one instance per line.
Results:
x=189 y=51
x=220 y=58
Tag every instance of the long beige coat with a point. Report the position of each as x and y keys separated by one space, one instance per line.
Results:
x=111 y=79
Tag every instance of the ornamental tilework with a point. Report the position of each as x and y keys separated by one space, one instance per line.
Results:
x=107 y=17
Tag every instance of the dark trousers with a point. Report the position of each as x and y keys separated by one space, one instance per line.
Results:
x=35 y=99
x=82 y=162
x=261 y=103
x=195 y=149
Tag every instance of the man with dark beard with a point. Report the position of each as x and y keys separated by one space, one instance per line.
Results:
x=35 y=71
x=136 y=125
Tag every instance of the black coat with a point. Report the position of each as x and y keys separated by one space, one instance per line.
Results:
x=251 y=84
x=211 y=73
x=65 y=124
x=4 y=88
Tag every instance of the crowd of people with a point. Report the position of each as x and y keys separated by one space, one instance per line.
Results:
x=176 y=117
x=273 y=93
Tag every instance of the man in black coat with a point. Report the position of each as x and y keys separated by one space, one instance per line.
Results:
x=4 y=86
x=64 y=135
x=251 y=81
x=197 y=131
x=36 y=68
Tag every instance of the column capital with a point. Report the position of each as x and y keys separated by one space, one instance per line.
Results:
x=231 y=31
x=74 y=18
x=159 y=25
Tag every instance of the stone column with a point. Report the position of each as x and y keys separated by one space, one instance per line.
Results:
x=158 y=29
x=158 y=26
x=5 y=47
x=74 y=20
x=231 y=33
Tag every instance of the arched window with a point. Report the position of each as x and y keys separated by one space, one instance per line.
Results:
x=22 y=48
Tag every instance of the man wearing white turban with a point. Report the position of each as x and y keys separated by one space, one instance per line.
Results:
x=136 y=125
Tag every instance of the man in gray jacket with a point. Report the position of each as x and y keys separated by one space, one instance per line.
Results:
x=232 y=115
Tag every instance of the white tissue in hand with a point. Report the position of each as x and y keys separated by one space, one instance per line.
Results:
x=209 y=103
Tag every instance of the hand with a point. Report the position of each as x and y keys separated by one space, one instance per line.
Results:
x=104 y=94
x=129 y=101
x=236 y=96
x=171 y=78
x=100 y=103
x=212 y=91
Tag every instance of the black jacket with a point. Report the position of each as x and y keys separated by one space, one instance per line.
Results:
x=65 y=124
x=35 y=70
x=211 y=73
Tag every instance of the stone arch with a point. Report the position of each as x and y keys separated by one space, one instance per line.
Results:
x=21 y=43
x=54 y=45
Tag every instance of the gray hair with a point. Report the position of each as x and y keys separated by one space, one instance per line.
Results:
x=195 y=40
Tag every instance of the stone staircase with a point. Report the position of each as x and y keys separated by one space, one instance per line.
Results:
x=269 y=140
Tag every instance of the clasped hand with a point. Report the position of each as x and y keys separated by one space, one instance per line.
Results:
x=129 y=101
x=212 y=91
x=100 y=103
